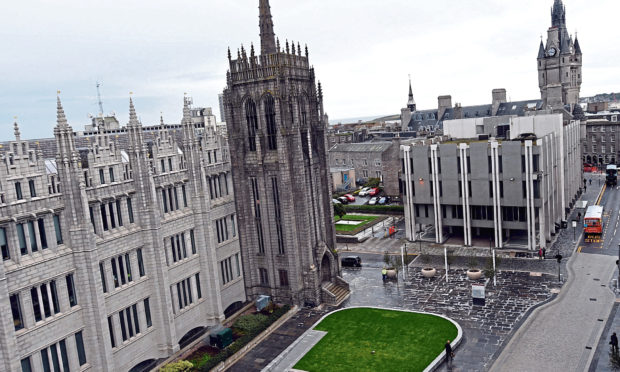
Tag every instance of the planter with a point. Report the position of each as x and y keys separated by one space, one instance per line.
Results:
x=474 y=274
x=392 y=274
x=429 y=272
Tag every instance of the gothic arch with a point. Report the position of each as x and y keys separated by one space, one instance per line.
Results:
x=251 y=122
x=144 y=366
x=326 y=271
x=191 y=335
x=269 y=109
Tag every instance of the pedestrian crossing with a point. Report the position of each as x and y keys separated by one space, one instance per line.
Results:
x=376 y=245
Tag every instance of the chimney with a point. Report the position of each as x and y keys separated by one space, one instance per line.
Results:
x=458 y=111
x=443 y=103
x=499 y=96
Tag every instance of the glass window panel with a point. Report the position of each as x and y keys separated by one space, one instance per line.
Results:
x=79 y=342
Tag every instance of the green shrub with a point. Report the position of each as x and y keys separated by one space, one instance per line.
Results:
x=397 y=209
x=248 y=323
x=180 y=366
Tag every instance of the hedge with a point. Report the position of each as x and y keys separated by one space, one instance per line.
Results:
x=243 y=340
x=397 y=209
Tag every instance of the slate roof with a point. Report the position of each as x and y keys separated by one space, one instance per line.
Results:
x=361 y=147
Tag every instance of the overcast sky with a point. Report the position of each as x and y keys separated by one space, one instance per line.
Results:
x=362 y=51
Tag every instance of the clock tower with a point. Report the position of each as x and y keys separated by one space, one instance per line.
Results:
x=559 y=63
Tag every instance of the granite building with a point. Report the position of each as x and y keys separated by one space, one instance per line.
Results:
x=115 y=252
x=277 y=136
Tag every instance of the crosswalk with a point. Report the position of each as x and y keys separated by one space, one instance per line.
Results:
x=375 y=245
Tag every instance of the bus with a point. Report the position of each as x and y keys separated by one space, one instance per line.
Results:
x=587 y=168
x=612 y=175
x=593 y=221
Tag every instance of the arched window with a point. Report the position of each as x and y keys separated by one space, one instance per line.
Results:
x=270 y=119
x=250 y=115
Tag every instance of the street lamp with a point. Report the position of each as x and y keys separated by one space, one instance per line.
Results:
x=559 y=258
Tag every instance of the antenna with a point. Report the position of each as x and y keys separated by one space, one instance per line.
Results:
x=99 y=100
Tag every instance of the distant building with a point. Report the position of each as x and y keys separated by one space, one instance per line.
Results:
x=600 y=138
x=370 y=160
x=514 y=188
x=343 y=178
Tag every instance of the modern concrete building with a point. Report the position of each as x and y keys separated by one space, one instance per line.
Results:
x=277 y=132
x=115 y=253
x=514 y=188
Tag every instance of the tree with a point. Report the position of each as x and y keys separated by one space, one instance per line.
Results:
x=339 y=210
x=180 y=366
x=373 y=182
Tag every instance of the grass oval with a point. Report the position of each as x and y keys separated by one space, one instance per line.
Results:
x=401 y=340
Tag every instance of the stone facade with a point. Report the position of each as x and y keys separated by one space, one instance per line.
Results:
x=114 y=252
x=275 y=118
x=599 y=139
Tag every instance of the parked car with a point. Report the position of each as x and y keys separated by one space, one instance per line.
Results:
x=336 y=201
x=364 y=191
x=374 y=191
x=351 y=261
x=382 y=200
x=343 y=200
x=373 y=200
x=349 y=197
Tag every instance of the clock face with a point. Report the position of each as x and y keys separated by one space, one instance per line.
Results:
x=551 y=52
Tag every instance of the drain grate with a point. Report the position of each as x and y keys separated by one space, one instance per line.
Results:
x=589 y=347
x=597 y=280
x=600 y=320
x=593 y=299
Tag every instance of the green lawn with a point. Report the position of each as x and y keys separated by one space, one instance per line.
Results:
x=351 y=217
x=402 y=341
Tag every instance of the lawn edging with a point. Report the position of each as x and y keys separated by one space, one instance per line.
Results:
x=431 y=367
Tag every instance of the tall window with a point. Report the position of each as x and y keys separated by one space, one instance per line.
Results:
x=101 y=177
x=192 y=241
x=21 y=236
x=270 y=119
x=147 y=312
x=140 y=263
x=252 y=122
x=18 y=191
x=111 y=330
x=4 y=245
x=283 y=278
x=278 y=216
x=16 y=310
x=119 y=213
x=79 y=343
x=184 y=196
x=26 y=366
x=198 y=291
x=33 y=189
x=111 y=170
x=33 y=239
x=264 y=278
x=42 y=235
x=130 y=210
x=103 y=281
x=57 y=229
x=71 y=290
x=257 y=215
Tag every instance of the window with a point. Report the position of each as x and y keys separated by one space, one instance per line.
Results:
x=121 y=315
x=165 y=200
x=128 y=266
x=33 y=238
x=33 y=189
x=140 y=263
x=270 y=119
x=252 y=123
x=16 y=310
x=26 y=366
x=54 y=297
x=104 y=217
x=232 y=223
x=111 y=209
x=257 y=216
x=111 y=330
x=71 y=290
x=63 y=355
x=184 y=196
x=192 y=241
x=101 y=177
x=237 y=264
x=129 y=323
x=36 y=305
x=45 y=360
x=130 y=210
x=103 y=281
x=42 y=236
x=264 y=278
x=111 y=170
x=134 y=309
x=114 y=273
x=79 y=343
x=147 y=313
x=283 y=274
x=18 y=191
x=198 y=290
x=278 y=216
x=119 y=213
x=121 y=270
x=4 y=246
x=170 y=164
x=92 y=219
x=58 y=229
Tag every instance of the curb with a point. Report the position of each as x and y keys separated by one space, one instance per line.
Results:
x=431 y=367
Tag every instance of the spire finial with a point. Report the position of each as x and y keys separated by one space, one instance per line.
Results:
x=229 y=56
x=16 y=129
x=287 y=48
x=293 y=47
x=298 y=49
x=278 y=43
x=161 y=120
x=133 y=118
x=265 y=22
x=306 y=50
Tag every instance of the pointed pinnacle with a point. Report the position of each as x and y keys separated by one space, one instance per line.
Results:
x=61 y=119
x=133 y=118
x=16 y=129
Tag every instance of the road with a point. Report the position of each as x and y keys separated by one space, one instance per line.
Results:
x=563 y=335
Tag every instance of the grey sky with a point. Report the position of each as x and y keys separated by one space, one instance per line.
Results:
x=362 y=51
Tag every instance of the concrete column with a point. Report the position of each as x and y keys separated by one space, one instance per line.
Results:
x=497 y=199
x=63 y=296
x=465 y=191
x=124 y=212
x=410 y=228
x=35 y=228
x=27 y=305
x=108 y=215
x=116 y=325
x=436 y=201
x=98 y=220
x=38 y=290
x=27 y=237
x=49 y=298
x=13 y=242
x=50 y=232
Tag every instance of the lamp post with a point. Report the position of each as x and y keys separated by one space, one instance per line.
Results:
x=559 y=258
x=494 y=270
x=445 y=255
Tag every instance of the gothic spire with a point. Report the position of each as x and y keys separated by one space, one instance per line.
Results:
x=558 y=14
x=133 y=118
x=411 y=101
x=541 y=50
x=61 y=119
x=267 y=36
x=577 y=47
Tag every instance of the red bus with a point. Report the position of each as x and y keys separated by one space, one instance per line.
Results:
x=587 y=168
x=593 y=221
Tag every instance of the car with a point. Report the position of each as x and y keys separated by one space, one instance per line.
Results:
x=373 y=200
x=382 y=200
x=364 y=191
x=349 y=197
x=374 y=191
x=351 y=261
x=336 y=201
x=343 y=200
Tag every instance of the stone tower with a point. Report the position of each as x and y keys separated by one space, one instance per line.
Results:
x=274 y=115
x=559 y=63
